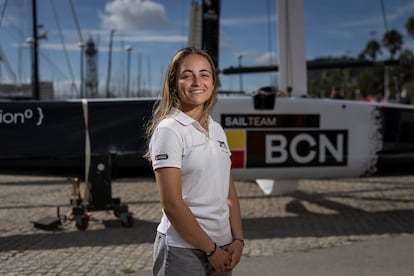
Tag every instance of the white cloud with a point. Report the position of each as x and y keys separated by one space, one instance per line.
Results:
x=256 y=58
x=165 y=38
x=268 y=58
x=123 y=15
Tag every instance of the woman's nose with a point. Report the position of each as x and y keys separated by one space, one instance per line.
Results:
x=196 y=81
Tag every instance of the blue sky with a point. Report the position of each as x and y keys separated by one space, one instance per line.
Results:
x=155 y=29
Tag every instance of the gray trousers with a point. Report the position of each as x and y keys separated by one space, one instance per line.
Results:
x=177 y=261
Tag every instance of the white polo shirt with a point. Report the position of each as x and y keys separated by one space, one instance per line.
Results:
x=204 y=160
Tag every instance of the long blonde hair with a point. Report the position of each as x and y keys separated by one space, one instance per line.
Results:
x=169 y=97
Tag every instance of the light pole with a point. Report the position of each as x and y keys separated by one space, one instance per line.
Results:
x=108 y=77
x=139 y=75
x=81 y=46
x=128 y=49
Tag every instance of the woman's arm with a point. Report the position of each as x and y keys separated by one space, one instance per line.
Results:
x=169 y=187
x=236 y=248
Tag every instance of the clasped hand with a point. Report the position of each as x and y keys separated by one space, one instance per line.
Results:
x=223 y=261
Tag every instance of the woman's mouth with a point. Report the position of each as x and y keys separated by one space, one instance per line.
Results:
x=196 y=91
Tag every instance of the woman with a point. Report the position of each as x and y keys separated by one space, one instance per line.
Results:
x=200 y=232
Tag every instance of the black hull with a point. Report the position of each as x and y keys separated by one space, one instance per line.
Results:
x=52 y=138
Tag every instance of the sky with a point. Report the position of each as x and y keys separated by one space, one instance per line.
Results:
x=154 y=30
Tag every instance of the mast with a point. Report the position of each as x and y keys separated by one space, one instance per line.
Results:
x=210 y=28
x=35 y=65
x=291 y=33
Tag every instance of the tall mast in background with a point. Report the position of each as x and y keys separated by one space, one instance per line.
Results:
x=35 y=55
x=292 y=61
x=194 y=33
x=204 y=27
x=211 y=29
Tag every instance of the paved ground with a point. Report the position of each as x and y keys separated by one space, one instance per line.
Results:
x=359 y=226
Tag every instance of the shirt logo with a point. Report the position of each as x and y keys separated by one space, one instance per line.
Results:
x=161 y=157
x=221 y=144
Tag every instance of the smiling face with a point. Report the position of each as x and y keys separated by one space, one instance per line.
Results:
x=195 y=83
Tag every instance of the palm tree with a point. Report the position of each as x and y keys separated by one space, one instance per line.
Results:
x=409 y=26
x=372 y=49
x=393 y=41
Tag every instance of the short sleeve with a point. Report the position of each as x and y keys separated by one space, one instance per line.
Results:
x=166 y=148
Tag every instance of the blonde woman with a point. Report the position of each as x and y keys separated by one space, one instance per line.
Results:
x=200 y=232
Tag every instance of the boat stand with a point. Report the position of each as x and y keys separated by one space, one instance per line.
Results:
x=98 y=195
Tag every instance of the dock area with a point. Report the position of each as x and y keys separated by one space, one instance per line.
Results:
x=323 y=214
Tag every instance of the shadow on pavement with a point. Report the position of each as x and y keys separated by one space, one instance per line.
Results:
x=319 y=225
x=344 y=219
x=113 y=234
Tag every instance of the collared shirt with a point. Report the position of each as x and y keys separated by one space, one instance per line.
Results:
x=204 y=160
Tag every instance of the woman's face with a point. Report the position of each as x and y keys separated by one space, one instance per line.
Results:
x=194 y=82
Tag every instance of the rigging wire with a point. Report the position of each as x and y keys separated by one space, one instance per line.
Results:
x=2 y=12
x=56 y=69
x=64 y=45
x=17 y=34
x=75 y=18
x=384 y=16
x=3 y=57
x=386 y=69
x=81 y=45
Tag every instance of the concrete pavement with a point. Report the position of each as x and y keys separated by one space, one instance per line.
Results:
x=359 y=226
x=380 y=257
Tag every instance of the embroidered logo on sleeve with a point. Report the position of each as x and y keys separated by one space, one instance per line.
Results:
x=161 y=157
x=222 y=144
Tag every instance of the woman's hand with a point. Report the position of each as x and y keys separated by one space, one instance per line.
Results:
x=220 y=260
x=235 y=250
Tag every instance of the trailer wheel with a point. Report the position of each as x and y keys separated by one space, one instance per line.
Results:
x=120 y=209
x=127 y=220
x=117 y=213
x=81 y=222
